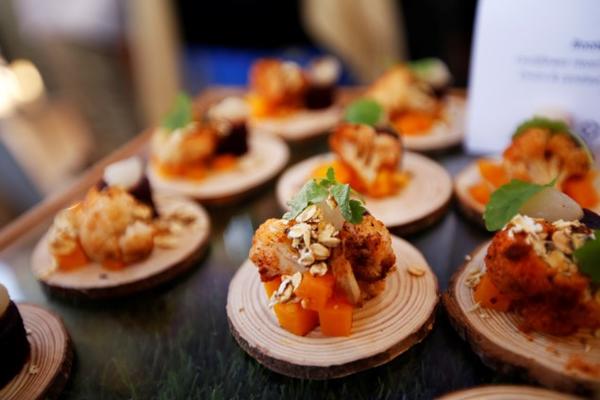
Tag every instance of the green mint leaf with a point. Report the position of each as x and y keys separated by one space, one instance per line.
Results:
x=506 y=202
x=314 y=192
x=341 y=194
x=357 y=210
x=588 y=258
x=364 y=111
x=311 y=193
x=180 y=115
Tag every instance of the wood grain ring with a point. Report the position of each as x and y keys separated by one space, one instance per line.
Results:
x=268 y=155
x=506 y=392
x=94 y=282
x=383 y=328
x=423 y=201
x=46 y=372
x=496 y=338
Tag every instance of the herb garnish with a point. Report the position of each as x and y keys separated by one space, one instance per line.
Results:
x=364 y=111
x=507 y=200
x=588 y=256
x=180 y=114
x=314 y=192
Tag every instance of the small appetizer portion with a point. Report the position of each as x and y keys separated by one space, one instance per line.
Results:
x=368 y=158
x=292 y=101
x=214 y=158
x=322 y=259
x=503 y=392
x=118 y=231
x=402 y=189
x=541 y=150
x=539 y=263
x=536 y=285
x=115 y=225
x=280 y=88
x=14 y=346
x=184 y=148
x=416 y=101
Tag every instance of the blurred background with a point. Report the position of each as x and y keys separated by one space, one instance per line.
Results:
x=78 y=78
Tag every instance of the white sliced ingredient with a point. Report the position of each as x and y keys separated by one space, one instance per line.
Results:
x=552 y=205
x=125 y=173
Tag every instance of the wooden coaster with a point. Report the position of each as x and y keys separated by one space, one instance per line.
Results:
x=421 y=203
x=95 y=282
x=444 y=134
x=46 y=372
x=385 y=327
x=267 y=156
x=496 y=338
x=507 y=392
x=301 y=125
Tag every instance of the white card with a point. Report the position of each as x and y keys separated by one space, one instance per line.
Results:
x=533 y=57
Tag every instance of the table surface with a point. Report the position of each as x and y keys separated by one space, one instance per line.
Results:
x=174 y=342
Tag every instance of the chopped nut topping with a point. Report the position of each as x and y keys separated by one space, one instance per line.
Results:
x=318 y=269
x=416 y=271
x=308 y=213
x=320 y=252
x=474 y=277
x=285 y=291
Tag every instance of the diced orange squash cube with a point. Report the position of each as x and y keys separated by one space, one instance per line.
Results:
x=74 y=259
x=480 y=192
x=414 y=123
x=493 y=172
x=315 y=290
x=271 y=286
x=295 y=319
x=582 y=190
x=336 y=317
x=488 y=296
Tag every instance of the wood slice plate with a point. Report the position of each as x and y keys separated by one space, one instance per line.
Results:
x=267 y=157
x=95 y=282
x=421 y=203
x=46 y=372
x=507 y=392
x=301 y=125
x=496 y=338
x=385 y=327
x=442 y=135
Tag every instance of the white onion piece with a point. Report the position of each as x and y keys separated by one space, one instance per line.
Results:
x=332 y=215
x=4 y=299
x=125 y=173
x=552 y=205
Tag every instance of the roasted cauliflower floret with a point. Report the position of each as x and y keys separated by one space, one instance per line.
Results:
x=366 y=150
x=368 y=248
x=62 y=238
x=272 y=250
x=114 y=226
x=530 y=261
x=398 y=89
x=190 y=145
x=540 y=155
x=278 y=83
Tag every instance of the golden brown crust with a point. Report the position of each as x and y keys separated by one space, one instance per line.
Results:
x=278 y=83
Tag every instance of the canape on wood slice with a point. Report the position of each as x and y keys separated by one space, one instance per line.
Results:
x=266 y=157
x=385 y=327
x=506 y=392
x=420 y=203
x=47 y=371
x=93 y=281
x=495 y=336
